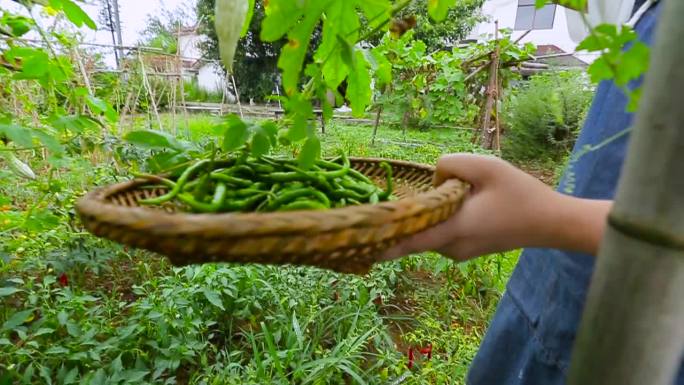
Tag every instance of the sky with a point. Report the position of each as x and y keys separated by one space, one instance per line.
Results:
x=134 y=15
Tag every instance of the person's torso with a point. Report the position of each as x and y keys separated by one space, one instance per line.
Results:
x=549 y=286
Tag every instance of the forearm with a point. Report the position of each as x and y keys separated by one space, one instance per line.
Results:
x=577 y=224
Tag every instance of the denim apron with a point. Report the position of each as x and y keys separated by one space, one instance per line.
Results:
x=530 y=338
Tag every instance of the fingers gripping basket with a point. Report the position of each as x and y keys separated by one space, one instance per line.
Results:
x=347 y=240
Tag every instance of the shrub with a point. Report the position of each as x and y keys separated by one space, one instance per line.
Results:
x=543 y=115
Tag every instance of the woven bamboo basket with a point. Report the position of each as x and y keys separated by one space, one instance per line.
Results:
x=347 y=240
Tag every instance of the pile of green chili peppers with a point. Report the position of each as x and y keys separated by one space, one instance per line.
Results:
x=267 y=184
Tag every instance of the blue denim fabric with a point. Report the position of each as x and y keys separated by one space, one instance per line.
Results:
x=530 y=339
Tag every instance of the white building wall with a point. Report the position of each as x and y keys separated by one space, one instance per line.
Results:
x=505 y=12
x=209 y=75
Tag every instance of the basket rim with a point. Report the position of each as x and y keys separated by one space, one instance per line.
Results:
x=155 y=222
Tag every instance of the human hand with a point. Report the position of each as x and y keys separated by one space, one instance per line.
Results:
x=506 y=209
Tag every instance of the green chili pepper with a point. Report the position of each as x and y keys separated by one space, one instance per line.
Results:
x=360 y=187
x=231 y=179
x=241 y=169
x=349 y=194
x=315 y=178
x=303 y=205
x=289 y=196
x=178 y=186
x=247 y=192
x=246 y=204
x=154 y=178
x=261 y=168
x=356 y=174
x=204 y=181
x=214 y=206
x=388 y=177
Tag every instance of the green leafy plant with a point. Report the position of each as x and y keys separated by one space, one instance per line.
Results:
x=337 y=59
x=49 y=106
x=542 y=116
x=438 y=88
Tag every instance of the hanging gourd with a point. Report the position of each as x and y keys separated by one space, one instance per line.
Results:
x=231 y=20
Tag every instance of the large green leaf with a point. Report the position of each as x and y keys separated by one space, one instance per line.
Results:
x=213 y=297
x=293 y=53
x=633 y=63
x=5 y=291
x=17 y=319
x=100 y=106
x=359 y=86
x=311 y=150
x=49 y=141
x=376 y=11
x=261 y=143
x=299 y=109
x=35 y=66
x=21 y=136
x=438 y=9
x=341 y=21
x=19 y=25
x=248 y=18
x=281 y=15
x=74 y=13
x=74 y=123
x=382 y=68
x=153 y=140
x=236 y=134
x=334 y=69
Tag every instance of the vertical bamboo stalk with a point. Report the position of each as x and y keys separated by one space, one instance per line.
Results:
x=632 y=330
x=375 y=125
x=487 y=137
x=150 y=92
x=237 y=95
x=181 y=88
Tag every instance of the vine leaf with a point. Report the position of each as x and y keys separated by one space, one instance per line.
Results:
x=236 y=134
x=292 y=54
x=382 y=68
x=334 y=69
x=281 y=15
x=100 y=106
x=376 y=11
x=341 y=22
x=21 y=136
x=299 y=109
x=359 y=81
x=438 y=9
x=311 y=150
x=260 y=144
x=74 y=13
x=153 y=140
x=633 y=63
x=248 y=19
x=577 y=5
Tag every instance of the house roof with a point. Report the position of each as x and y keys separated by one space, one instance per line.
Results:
x=564 y=59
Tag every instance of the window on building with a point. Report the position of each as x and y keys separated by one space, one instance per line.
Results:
x=528 y=17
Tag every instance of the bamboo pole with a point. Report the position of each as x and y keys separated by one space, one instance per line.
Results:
x=150 y=91
x=237 y=95
x=632 y=330
x=487 y=134
x=375 y=124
